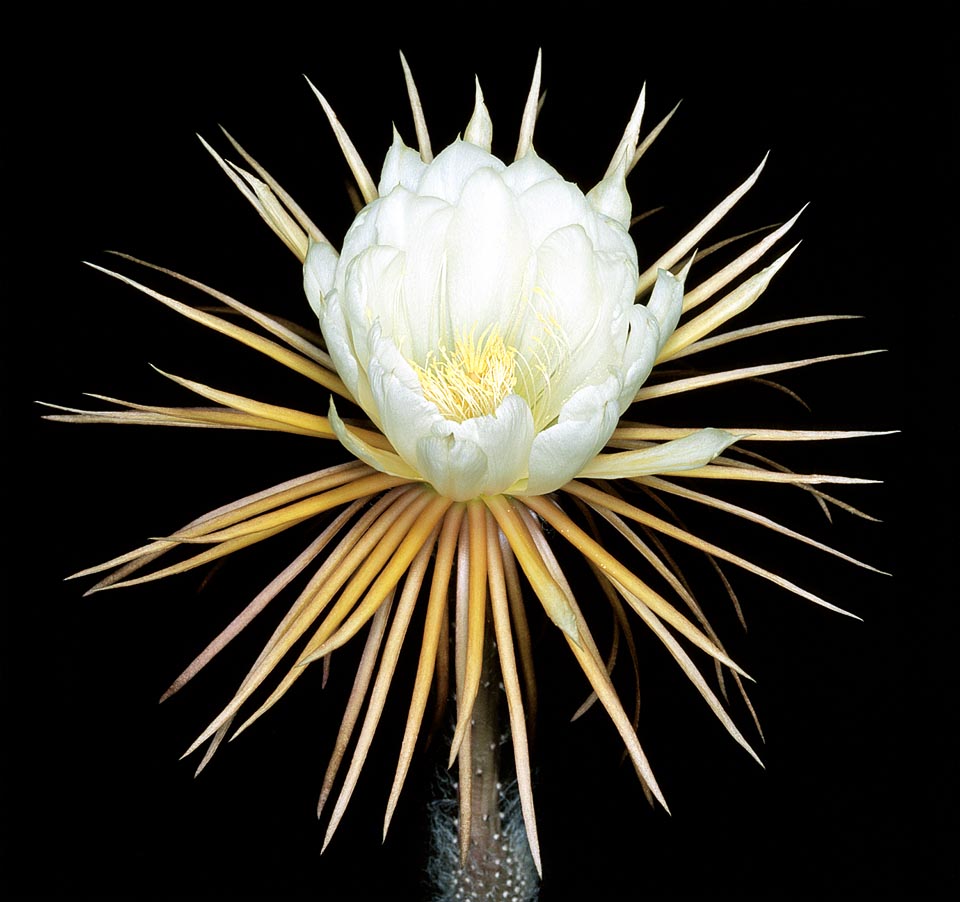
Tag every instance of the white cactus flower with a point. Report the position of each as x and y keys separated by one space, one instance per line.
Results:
x=486 y=326
x=483 y=316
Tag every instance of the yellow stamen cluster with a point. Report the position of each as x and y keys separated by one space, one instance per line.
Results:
x=471 y=380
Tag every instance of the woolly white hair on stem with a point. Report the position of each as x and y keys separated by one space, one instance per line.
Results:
x=492 y=342
x=507 y=871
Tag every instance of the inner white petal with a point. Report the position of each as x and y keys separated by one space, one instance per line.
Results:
x=481 y=456
x=487 y=249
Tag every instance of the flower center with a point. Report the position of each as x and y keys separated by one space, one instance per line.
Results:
x=472 y=379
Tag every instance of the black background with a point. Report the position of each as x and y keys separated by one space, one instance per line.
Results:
x=858 y=794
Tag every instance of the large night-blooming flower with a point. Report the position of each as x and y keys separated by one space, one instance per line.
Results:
x=485 y=328
x=483 y=316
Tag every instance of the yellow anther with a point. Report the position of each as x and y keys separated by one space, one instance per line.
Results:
x=473 y=378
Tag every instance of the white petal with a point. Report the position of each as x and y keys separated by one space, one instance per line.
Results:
x=424 y=301
x=566 y=292
x=552 y=204
x=404 y=414
x=480 y=456
x=587 y=299
x=452 y=167
x=487 y=251
x=610 y=196
x=666 y=301
x=455 y=469
x=561 y=451
x=361 y=235
x=384 y=461
x=340 y=344
x=401 y=277
x=371 y=294
x=401 y=217
x=640 y=353
x=401 y=166
x=528 y=171
x=319 y=273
